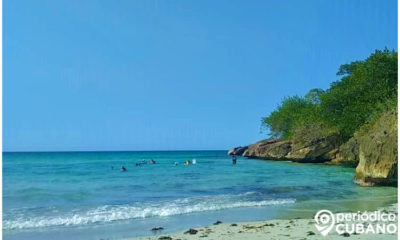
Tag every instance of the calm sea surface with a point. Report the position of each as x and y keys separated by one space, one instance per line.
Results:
x=85 y=195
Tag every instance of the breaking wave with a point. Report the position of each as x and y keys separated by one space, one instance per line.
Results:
x=109 y=213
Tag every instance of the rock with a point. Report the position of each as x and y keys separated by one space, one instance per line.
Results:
x=373 y=150
x=378 y=153
x=347 y=154
x=191 y=231
x=312 y=144
x=237 y=151
x=345 y=234
x=309 y=144
x=310 y=233
x=268 y=149
x=269 y=225
x=217 y=222
x=165 y=238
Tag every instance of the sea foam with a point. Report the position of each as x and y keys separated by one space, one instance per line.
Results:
x=109 y=213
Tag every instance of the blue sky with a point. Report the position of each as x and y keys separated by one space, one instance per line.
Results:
x=169 y=75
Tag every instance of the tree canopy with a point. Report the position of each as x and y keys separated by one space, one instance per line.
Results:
x=366 y=89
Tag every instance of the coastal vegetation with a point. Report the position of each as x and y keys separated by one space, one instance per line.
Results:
x=366 y=90
x=353 y=123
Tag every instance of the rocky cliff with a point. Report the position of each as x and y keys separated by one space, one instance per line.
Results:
x=378 y=153
x=271 y=149
x=347 y=154
x=306 y=146
x=374 y=152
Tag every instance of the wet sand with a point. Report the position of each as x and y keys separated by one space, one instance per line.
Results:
x=299 y=229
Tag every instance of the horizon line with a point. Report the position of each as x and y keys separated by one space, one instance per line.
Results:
x=92 y=151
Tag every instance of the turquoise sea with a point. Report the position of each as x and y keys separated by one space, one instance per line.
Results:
x=85 y=195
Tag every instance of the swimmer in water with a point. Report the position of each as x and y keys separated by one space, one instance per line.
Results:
x=123 y=169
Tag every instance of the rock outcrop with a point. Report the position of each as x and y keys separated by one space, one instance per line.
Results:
x=237 y=151
x=268 y=149
x=310 y=146
x=373 y=152
x=313 y=145
x=378 y=153
x=347 y=154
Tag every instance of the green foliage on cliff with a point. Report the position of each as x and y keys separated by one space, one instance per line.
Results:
x=366 y=89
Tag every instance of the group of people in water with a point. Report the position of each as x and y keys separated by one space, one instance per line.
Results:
x=123 y=168
x=151 y=162
x=145 y=162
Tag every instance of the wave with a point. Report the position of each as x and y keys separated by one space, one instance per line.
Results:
x=110 y=213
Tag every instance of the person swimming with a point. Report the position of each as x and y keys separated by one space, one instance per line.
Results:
x=187 y=163
x=234 y=159
x=152 y=161
x=138 y=164
x=176 y=163
x=194 y=161
x=123 y=169
x=144 y=161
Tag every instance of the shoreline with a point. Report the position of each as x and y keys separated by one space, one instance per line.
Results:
x=295 y=228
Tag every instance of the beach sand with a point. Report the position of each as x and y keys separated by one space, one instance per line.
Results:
x=300 y=229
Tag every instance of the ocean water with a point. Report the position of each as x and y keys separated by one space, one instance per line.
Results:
x=85 y=195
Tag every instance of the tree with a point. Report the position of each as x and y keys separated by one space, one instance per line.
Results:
x=366 y=89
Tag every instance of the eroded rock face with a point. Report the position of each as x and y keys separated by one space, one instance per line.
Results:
x=347 y=154
x=316 y=150
x=268 y=149
x=237 y=151
x=308 y=145
x=373 y=152
x=378 y=153
x=311 y=144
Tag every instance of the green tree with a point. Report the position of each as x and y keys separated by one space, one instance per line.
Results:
x=293 y=112
x=366 y=89
x=365 y=85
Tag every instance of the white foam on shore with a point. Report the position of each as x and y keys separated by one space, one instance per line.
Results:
x=109 y=213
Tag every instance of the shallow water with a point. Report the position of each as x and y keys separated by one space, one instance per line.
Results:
x=84 y=195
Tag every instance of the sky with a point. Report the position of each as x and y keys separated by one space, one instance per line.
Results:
x=171 y=75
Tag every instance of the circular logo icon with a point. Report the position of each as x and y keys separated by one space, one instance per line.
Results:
x=324 y=221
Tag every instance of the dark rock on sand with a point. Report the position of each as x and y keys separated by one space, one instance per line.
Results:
x=191 y=231
x=165 y=238
x=310 y=233
x=269 y=225
x=217 y=222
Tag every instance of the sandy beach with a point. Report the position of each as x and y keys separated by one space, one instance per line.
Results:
x=301 y=229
